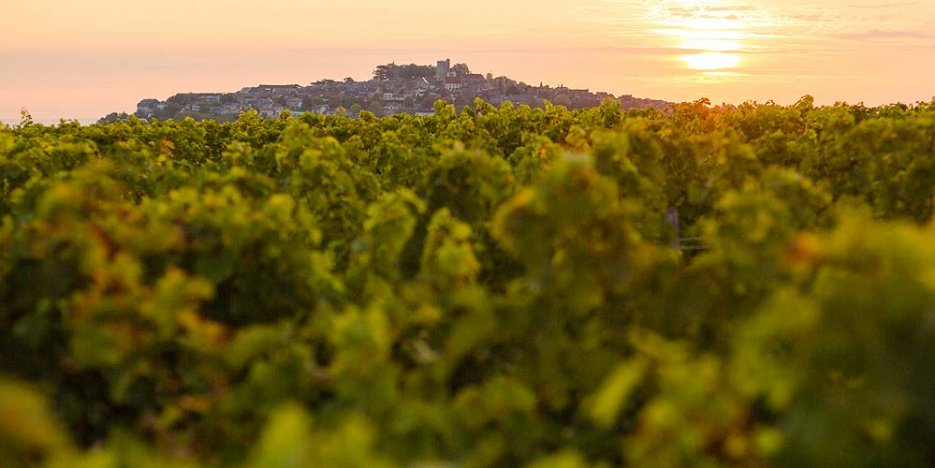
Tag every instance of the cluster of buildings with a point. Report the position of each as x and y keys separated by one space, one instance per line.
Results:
x=393 y=89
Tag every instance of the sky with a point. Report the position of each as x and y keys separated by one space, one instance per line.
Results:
x=83 y=60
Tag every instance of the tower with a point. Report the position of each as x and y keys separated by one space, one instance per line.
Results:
x=441 y=69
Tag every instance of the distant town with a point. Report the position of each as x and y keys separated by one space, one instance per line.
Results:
x=393 y=89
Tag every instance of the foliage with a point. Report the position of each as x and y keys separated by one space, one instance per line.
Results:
x=496 y=287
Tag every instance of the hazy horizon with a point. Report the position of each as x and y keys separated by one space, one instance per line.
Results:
x=84 y=60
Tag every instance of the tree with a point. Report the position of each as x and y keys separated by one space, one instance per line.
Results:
x=109 y=118
x=26 y=118
x=376 y=107
x=406 y=72
x=383 y=72
x=461 y=69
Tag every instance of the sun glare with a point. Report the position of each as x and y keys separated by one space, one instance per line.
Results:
x=711 y=45
x=711 y=61
x=711 y=35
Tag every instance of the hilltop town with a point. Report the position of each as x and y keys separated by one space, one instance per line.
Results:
x=393 y=89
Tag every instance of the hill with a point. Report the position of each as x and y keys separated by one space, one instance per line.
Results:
x=392 y=89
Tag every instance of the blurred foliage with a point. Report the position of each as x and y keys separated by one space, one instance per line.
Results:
x=743 y=285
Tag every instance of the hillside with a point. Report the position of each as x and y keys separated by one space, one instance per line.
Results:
x=393 y=89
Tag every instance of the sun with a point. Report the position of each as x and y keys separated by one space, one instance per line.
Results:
x=710 y=34
x=709 y=61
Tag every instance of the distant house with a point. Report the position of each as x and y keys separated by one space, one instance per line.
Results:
x=272 y=112
x=531 y=101
x=473 y=79
x=453 y=83
x=421 y=83
x=628 y=101
x=147 y=107
x=579 y=94
x=231 y=108
x=201 y=97
x=279 y=88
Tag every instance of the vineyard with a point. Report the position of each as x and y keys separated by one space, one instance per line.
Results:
x=746 y=285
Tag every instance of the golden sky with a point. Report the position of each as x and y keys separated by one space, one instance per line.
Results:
x=84 y=59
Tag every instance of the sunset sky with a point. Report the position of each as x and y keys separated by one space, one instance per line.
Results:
x=86 y=59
